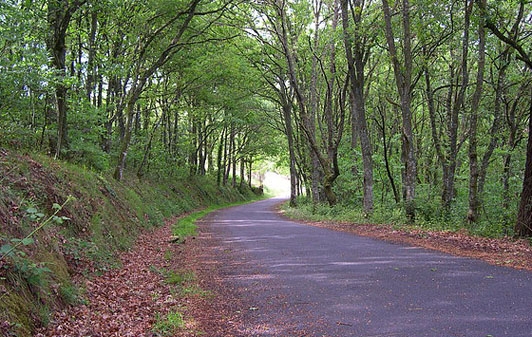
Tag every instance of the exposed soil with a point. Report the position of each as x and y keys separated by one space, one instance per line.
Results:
x=126 y=302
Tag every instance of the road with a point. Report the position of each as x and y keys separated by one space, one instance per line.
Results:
x=299 y=280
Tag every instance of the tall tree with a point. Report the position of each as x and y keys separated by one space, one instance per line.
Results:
x=357 y=48
x=474 y=198
x=147 y=64
x=523 y=226
x=403 y=69
x=446 y=94
x=59 y=15
x=333 y=117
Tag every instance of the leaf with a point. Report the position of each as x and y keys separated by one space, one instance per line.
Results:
x=56 y=206
x=31 y=210
x=6 y=249
x=27 y=241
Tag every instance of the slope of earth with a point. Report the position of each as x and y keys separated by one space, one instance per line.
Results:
x=61 y=224
x=155 y=293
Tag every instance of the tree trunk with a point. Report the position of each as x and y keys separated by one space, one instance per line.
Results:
x=233 y=158
x=523 y=226
x=250 y=170
x=286 y=107
x=59 y=15
x=147 y=149
x=310 y=120
x=220 y=166
x=389 y=173
x=474 y=198
x=91 y=69
x=356 y=61
x=124 y=144
x=513 y=140
x=403 y=79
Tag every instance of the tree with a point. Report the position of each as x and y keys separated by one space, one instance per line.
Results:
x=59 y=15
x=523 y=225
x=147 y=64
x=324 y=148
x=403 y=78
x=474 y=198
x=357 y=49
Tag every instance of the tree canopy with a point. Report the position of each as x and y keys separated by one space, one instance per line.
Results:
x=420 y=108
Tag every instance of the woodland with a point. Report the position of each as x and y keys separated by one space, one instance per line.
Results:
x=398 y=110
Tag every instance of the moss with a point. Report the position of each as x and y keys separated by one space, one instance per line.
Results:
x=17 y=311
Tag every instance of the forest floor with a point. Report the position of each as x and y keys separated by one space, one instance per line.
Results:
x=156 y=292
x=137 y=299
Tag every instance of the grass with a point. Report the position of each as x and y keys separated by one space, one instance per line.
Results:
x=185 y=282
x=179 y=278
x=186 y=226
x=169 y=324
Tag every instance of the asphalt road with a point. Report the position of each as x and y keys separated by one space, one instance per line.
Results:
x=299 y=280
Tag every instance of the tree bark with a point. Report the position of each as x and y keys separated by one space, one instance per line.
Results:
x=389 y=173
x=523 y=226
x=356 y=61
x=286 y=107
x=403 y=79
x=59 y=15
x=316 y=175
x=474 y=198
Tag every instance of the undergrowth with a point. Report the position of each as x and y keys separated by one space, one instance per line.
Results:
x=429 y=216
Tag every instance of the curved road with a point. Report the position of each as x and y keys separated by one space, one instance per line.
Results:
x=298 y=280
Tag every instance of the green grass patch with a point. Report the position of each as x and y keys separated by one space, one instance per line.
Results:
x=187 y=227
x=168 y=325
x=195 y=290
x=178 y=278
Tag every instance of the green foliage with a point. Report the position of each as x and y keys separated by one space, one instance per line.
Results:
x=178 y=278
x=186 y=227
x=169 y=324
x=34 y=273
x=70 y=294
